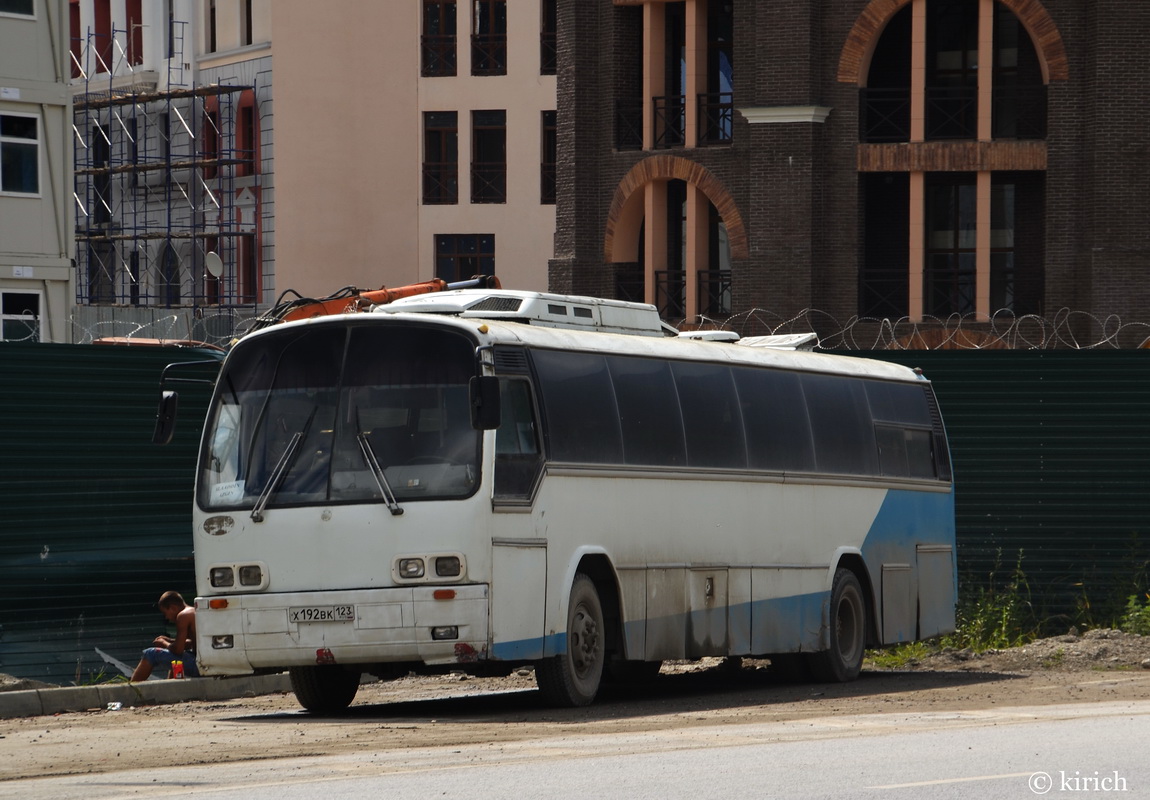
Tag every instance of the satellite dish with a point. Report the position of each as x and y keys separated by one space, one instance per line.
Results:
x=214 y=264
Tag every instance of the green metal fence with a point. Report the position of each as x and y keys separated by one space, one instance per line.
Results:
x=1050 y=460
x=95 y=520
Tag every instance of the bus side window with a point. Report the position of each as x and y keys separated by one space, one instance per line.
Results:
x=712 y=421
x=902 y=427
x=517 y=454
x=841 y=425
x=649 y=414
x=578 y=407
x=775 y=419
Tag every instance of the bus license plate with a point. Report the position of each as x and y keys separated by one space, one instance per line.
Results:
x=321 y=613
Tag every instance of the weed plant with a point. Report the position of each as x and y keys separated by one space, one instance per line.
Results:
x=1137 y=616
x=996 y=615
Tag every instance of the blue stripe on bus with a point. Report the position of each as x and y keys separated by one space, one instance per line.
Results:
x=524 y=649
x=793 y=623
x=782 y=624
x=906 y=519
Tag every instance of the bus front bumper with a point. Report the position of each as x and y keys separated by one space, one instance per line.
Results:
x=240 y=633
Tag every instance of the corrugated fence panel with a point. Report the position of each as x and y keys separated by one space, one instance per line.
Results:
x=96 y=520
x=1049 y=450
x=1050 y=458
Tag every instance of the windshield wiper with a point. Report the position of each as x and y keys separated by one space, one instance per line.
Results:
x=377 y=472
x=281 y=470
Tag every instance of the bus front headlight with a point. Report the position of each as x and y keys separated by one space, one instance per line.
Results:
x=411 y=568
x=222 y=577
x=251 y=575
x=447 y=566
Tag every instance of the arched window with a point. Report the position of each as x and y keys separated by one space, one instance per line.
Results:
x=952 y=127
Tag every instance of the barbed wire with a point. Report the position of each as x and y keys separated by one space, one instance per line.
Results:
x=1003 y=330
x=1067 y=329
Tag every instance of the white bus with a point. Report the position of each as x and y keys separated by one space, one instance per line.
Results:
x=483 y=479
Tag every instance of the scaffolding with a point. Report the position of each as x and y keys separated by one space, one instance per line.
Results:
x=161 y=181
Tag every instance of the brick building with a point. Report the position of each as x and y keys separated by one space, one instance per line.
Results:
x=850 y=156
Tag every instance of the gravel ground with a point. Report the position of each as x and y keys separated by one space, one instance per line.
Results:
x=455 y=710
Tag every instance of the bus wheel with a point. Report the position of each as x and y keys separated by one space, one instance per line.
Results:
x=572 y=679
x=325 y=689
x=843 y=661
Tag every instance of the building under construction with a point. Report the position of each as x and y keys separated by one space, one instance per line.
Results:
x=172 y=239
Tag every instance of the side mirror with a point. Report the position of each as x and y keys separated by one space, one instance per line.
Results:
x=485 y=409
x=166 y=418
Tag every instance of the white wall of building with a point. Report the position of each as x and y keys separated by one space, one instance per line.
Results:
x=36 y=243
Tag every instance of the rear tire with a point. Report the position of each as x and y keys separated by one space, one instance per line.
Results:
x=324 y=689
x=572 y=679
x=847 y=618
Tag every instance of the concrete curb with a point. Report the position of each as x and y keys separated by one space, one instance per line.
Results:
x=38 y=702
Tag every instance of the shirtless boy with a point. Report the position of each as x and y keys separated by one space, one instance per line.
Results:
x=164 y=649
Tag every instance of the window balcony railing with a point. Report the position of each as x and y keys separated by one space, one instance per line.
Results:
x=670 y=291
x=438 y=56
x=629 y=284
x=1019 y=112
x=628 y=124
x=714 y=292
x=884 y=115
x=1002 y=281
x=883 y=292
x=716 y=118
x=949 y=284
x=951 y=112
x=670 y=121
x=489 y=182
x=440 y=184
x=548 y=53
x=547 y=184
x=489 y=54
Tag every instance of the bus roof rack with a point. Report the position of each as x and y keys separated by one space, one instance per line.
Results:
x=538 y=308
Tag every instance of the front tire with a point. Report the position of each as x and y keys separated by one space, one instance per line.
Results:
x=572 y=679
x=324 y=689
x=848 y=623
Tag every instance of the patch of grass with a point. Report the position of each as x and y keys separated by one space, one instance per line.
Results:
x=1054 y=660
x=996 y=615
x=1136 y=619
x=900 y=656
x=99 y=678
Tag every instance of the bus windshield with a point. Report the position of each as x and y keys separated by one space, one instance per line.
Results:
x=341 y=413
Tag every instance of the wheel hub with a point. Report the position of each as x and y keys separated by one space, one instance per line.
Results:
x=584 y=644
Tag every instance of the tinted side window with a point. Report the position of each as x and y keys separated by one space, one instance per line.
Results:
x=778 y=435
x=517 y=456
x=711 y=418
x=648 y=412
x=898 y=402
x=902 y=429
x=579 y=405
x=841 y=425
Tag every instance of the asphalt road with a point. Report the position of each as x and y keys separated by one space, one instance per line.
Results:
x=1092 y=748
x=698 y=729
